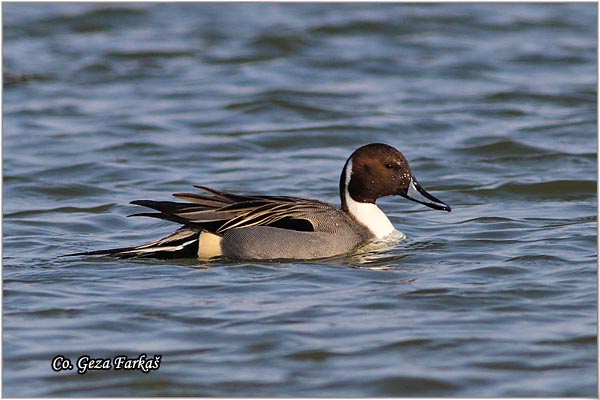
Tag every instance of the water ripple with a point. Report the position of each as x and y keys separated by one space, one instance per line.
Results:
x=494 y=106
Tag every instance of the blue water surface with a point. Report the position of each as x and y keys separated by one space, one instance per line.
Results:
x=494 y=105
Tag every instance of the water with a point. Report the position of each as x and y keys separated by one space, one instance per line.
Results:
x=494 y=105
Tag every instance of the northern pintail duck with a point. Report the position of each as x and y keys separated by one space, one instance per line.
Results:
x=217 y=223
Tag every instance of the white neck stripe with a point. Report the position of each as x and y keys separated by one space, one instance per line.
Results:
x=368 y=214
x=348 y=174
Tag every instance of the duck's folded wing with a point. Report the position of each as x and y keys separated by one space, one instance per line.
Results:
x=223 y=211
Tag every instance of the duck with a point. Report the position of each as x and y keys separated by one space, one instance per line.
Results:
x=255 y=227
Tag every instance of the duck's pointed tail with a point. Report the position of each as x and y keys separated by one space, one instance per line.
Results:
x=183 y=243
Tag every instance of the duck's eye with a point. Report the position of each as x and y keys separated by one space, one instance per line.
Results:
x=389 y=166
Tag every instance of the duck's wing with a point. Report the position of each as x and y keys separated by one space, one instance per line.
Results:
x=219 y=212
x=222 y=211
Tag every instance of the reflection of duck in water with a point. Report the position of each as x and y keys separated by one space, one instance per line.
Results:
x=9 y=78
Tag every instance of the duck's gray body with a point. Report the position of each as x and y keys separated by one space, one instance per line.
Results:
x=334 y=234
x=217 y=223
x=263 y=227
x=266 y=242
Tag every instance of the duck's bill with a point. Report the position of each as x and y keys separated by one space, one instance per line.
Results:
x=416 y=193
